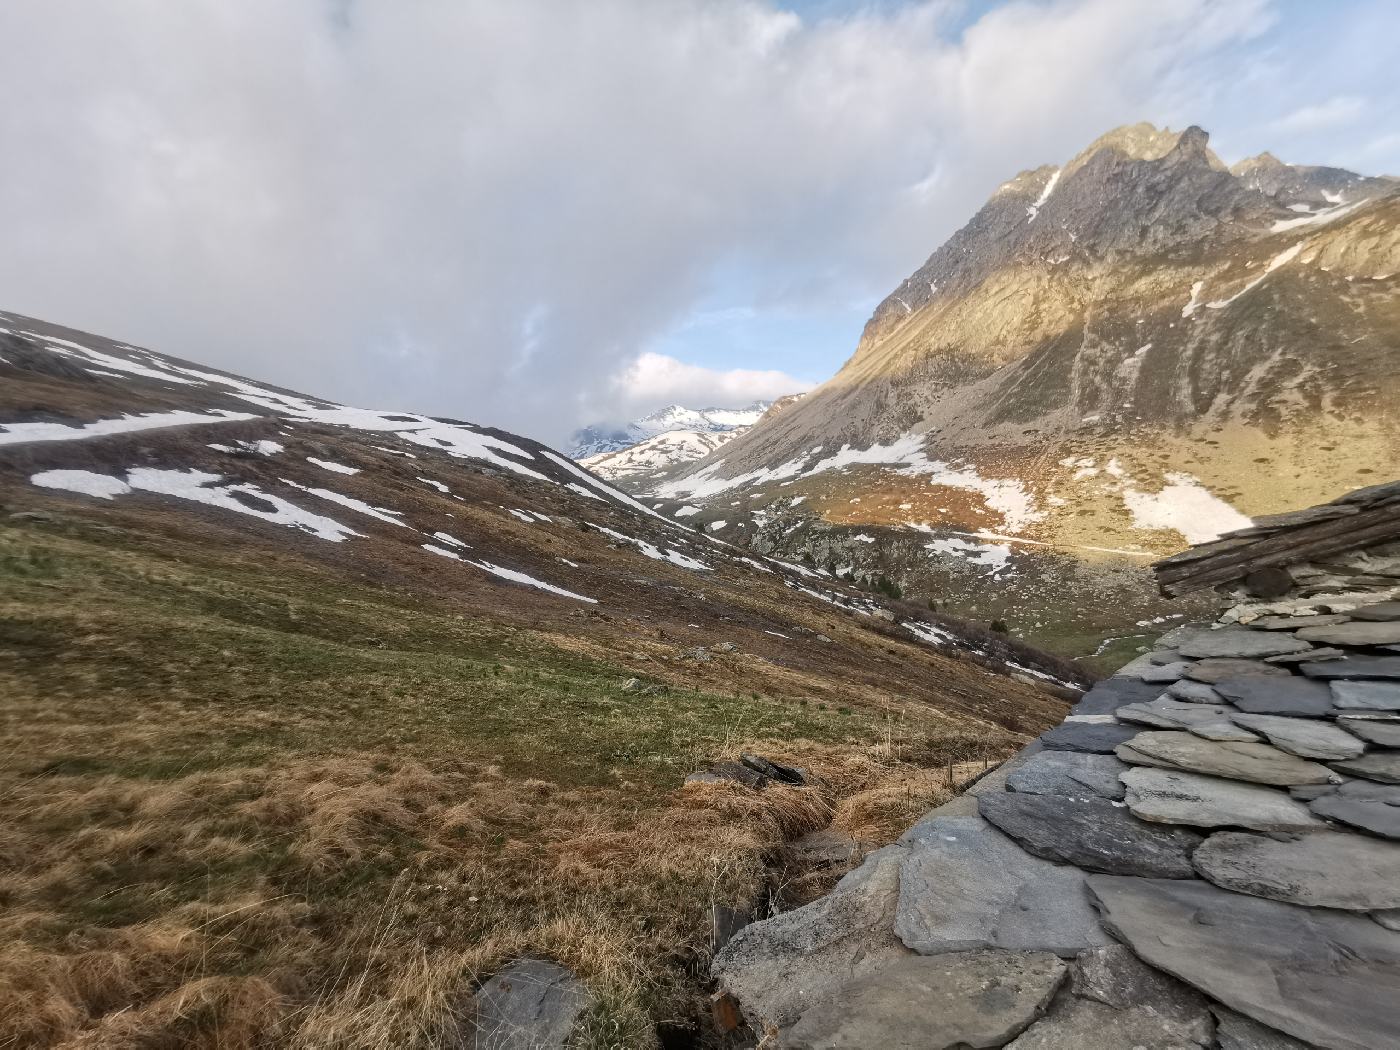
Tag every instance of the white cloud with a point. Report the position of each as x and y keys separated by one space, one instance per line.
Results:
x=654 y=380
x=1343 y=109
x=489 y=209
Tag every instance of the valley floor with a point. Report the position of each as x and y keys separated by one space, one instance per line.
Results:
x=245 y=802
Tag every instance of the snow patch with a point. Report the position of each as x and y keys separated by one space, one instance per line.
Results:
x=1186 y=506
x=337 y=468
x=21 y=433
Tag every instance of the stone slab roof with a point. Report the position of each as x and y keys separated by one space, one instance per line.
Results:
x=1205 y=853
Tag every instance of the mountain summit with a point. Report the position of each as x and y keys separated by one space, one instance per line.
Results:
x=1113 y=358
x=600 y=438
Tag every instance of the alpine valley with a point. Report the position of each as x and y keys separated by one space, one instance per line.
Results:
x=1136 y=351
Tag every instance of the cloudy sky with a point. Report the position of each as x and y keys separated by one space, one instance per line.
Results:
x=538 y=213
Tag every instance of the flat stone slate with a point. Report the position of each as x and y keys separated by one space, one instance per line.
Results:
x=1112 y=693
x=1163 y=656
x=1084 y=1025
x=964 y=886
x=1366 y=696
x=1168 y=713
x=1383 y=766
x=1357 y=633
x=1235 y=1031
x=1092 y=833
x=530 y=1005
x=1323 y=976
x=1095 y=737
x=1193 y=692
x=1322 y=653
x=945 y=1002
x=1164 y=673
x=780 y=967
x=1221 y=729
x=1390 y=918
x=1069 y=773
x=1304 y=737
x=1354 y=667
x=1212 y=671
x=1259 y=763
x=1379 y=611
x=1319 y=869
x=1238 y=643
x=1168 y=796
x=1382 y=734
x=1293 y=623
x=1378 y=818
x=1277 y=696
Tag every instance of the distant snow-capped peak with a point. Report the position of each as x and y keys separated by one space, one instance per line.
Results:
x=600 y=438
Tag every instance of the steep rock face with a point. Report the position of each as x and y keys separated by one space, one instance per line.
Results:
x=1111 y=359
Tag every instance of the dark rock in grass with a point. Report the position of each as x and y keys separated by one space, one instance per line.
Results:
x=730 y=771
x=1093 y=834
x=943 y=1002
x=1319 y=869
x=1354 y=667
x=773 y=770
x=1323 y=976
x=1099 y=738
x=1293 y=696
x=530 y=1005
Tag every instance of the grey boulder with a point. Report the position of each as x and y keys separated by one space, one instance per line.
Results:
x=1069 y=773
x=1258 y=763
x=1306 y=738
x=965 y=886
x=1319 y=869
x=945 y=1002
x=1277 y=696
x=530 y=1005
x=1323 y=976
x=1092 y=833
x=1168 y=796
x=780 y=967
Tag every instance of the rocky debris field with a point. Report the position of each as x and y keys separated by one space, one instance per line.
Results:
x=1205 y=853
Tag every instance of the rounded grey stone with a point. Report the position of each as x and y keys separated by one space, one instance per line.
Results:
x=1169 y=796
x=1259 y=763
x=1306 y=738
x=1319 y=869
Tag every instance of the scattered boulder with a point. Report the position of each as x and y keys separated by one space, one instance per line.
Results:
x=1169 y=796
x=1323 y=976
x=774 y=770
x=1319 y=869
x=735 y=772
x=530 y=1005
x=1237 y=643
x=1303 y=737
x=965 y=886
x=1092 y=833
x=1277 y=696
x=1258 y=763
x=945 y=1002
x=781 y=967
x=1069 y=773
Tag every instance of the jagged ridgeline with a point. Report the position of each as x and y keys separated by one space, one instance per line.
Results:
x=1111 y=360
